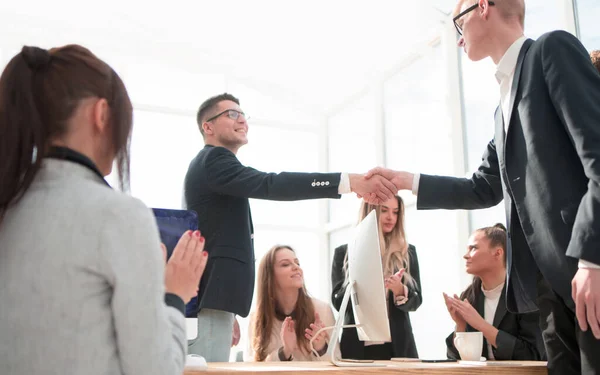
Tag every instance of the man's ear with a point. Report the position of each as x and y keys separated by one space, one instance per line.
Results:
x=484 y=8
x=207 y=128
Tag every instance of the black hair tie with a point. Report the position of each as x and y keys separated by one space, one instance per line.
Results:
x=35 y=57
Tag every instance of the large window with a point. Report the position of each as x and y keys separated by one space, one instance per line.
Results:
x=481 y=95
x=542 y=16
x=162 y=146
x=269 y=151
x=418 y=130
x=352 y=149
x=588 y=13
x=417 y=123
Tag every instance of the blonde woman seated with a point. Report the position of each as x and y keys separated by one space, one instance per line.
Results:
x=482 y=307
x=286 y=317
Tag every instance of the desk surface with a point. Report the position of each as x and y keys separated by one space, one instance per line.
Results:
x=321 y=368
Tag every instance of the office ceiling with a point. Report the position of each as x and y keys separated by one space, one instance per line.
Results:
x=315 y=53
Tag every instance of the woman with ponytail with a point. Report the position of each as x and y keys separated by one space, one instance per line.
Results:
x=402 y=283
x=83 y=286
x=482 y=306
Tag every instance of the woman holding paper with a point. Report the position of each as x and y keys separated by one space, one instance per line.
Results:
x=482 y=307
x=402 y=282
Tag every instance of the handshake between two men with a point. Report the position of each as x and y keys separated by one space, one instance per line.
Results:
x=380 y=184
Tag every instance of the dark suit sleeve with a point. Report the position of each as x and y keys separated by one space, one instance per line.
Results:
x=574 y=88
x=523 y=347
x=415 y=298
x=482 y=190
x=338 y=276
x=451 y=351
x=226 y=175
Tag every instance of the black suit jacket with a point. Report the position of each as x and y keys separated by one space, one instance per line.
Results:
x=546 y=168
x=217 y=187
x=519 y=335
x=403 y=340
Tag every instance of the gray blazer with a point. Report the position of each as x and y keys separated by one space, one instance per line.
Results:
x=82 y=282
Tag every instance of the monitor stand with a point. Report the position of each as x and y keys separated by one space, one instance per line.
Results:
x=334 y=340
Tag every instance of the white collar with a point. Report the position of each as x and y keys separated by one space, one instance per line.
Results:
x=493 y=293
x=508 y=62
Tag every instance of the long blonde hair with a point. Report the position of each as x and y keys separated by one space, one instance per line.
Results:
x=393 y=245
x=266 y=304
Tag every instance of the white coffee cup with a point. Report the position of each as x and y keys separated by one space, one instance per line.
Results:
x=469 y=345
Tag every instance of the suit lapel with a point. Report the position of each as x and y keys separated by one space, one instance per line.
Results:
x=499 y=135
x=480 y=307
x=516 y=80
x=501 y=309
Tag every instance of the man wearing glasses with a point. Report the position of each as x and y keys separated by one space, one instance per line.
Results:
x=544 y=162
x=217 y=187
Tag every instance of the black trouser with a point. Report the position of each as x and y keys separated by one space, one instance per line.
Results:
x=569 y=350
x=379 y=352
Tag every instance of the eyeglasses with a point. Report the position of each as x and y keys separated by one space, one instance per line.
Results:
x=469 y=9
x=231 y=113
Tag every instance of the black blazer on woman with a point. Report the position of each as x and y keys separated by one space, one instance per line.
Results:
x=519 y=336
x=403 y=341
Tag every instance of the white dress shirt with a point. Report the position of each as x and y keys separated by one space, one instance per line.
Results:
x=505 y=72
x=344 y=186
x=492 y=297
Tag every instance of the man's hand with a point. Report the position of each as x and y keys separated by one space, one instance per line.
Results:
x=235 y=337
x=374 y=190
x=402 y=180
x=585 y=290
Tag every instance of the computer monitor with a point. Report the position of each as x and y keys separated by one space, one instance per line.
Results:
x=366 y=290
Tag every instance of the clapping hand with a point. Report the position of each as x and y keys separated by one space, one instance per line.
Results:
x=186 y=266
x=394 y=283
x=288 y=336
x=461 y=325
x=321 y=339
x=467 y=312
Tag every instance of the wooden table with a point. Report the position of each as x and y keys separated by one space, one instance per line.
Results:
x=396 y=368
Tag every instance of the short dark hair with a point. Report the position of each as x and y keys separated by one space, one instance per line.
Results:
x=595 y=55
x=206 y=109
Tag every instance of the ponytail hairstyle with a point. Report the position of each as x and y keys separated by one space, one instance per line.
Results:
x=39 y=92
x=497 y=237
